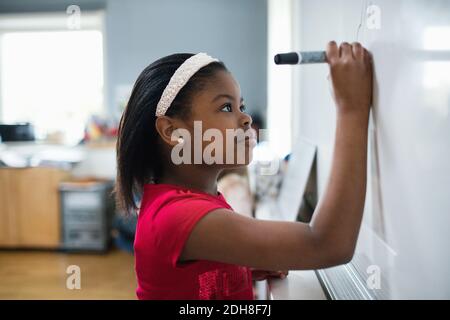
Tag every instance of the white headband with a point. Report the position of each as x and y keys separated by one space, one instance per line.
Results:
x=179 y=79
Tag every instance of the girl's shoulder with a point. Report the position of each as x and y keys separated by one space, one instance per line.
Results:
x=169 y=212
x=169 y=198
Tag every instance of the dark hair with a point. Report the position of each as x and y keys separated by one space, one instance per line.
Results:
x=137 y=151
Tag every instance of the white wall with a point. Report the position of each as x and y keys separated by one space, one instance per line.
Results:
x=407 y=216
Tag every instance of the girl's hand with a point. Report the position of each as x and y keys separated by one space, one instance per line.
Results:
x=260 y=275
x=351 y=77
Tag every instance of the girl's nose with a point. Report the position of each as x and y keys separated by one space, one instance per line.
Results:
x=246 y=120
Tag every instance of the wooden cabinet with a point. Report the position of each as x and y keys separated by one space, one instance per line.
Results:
x=8 y=229
x=29 y=207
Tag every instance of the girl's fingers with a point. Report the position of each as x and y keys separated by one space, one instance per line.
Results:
x=280 y=274
x=357 y=49
x=345 y=50
x=332 y=52
x=262 y=274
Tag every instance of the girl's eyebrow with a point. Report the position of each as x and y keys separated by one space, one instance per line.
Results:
x=225 y=96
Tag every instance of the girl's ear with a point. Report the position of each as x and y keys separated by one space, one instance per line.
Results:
x=165 y=126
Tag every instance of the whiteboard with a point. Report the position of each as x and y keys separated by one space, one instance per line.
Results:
x=405 y=233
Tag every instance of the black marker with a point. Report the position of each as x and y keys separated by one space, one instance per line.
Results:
x=301 y=57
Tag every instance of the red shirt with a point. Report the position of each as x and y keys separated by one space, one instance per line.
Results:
x=168 y=214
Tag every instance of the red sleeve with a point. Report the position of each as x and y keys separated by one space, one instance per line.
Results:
x=176 y=220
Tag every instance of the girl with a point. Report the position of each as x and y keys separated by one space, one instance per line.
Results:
x=189 y=243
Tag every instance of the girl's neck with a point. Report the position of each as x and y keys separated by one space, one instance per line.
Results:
x=194 y=177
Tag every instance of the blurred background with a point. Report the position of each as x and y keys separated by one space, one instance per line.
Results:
x=66 y=72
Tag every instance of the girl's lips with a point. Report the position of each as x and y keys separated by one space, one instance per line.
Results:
x=250 y=135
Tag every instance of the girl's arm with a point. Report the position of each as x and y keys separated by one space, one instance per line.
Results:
x=330 y=238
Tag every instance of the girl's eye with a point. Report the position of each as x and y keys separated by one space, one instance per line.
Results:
x=227 y=108
x=243 y=108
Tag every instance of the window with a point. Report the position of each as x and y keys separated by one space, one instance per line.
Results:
x=51 y=76
x=279 y=110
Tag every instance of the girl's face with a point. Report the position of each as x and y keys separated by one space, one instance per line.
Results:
x=220 y=110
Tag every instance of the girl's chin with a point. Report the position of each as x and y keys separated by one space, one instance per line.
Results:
x=237 y=164
x=251 y=142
